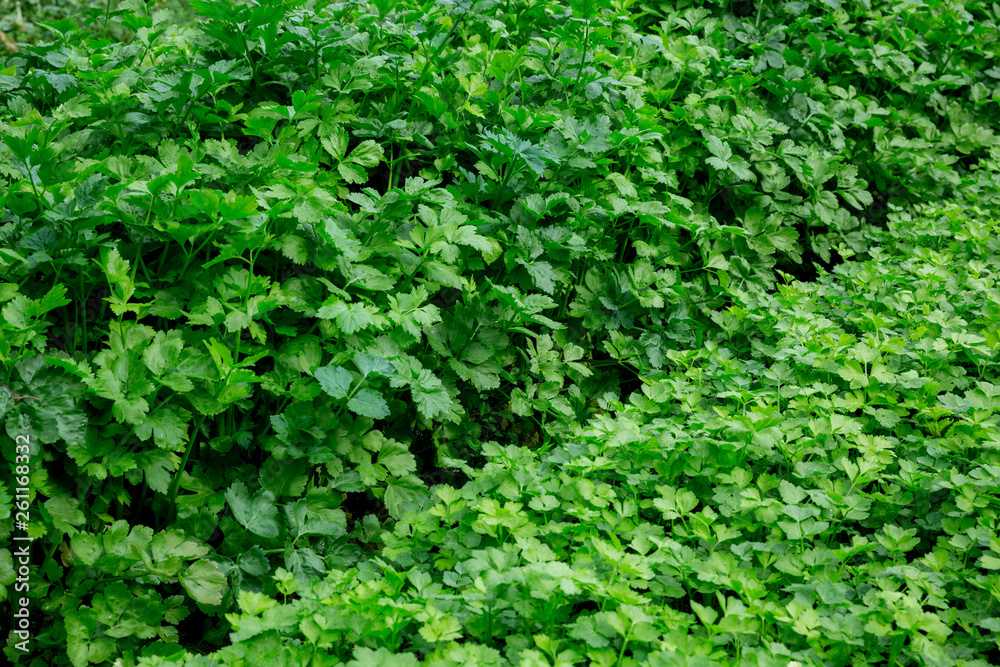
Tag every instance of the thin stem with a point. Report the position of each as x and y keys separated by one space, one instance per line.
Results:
x=427 y=65
x=246 y=300
x=52 y=551
x=508 y=172
x=175 y=485
x=392 y=167
x=107 y=12
x=187 y=261
x=583 y=59
x=952 y=52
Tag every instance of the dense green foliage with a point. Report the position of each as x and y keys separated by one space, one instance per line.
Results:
x=505 y=333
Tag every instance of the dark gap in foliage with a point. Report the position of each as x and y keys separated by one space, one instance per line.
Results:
x=970 y=161
x=877 y=213
x=423 y=449
x=138 y=513
x=720 y=207
x=809 y=269
x=743 y=8
x=992 y=654
x=216 y=538
x=611 y=371
x=357 y=505
x=378 y=179
x=446 y=298
x=246 y=143
x=199 y=630
x=447 y=179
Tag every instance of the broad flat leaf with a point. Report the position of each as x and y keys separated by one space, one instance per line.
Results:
x=432 y=398
x=989 y=562
x=158 y=466
x=254 y=603
x=367 y=154
x=174 y=544
x=370 y=278
x=164 y=351
x=352 y=174
x=482 y=376
x=305 y=521
x=854 y=373
x=800 y=513
x=368 y=364
x=544 y=275
x=168 y=426
x=336 y=381
x=511 y=146
x=116 y=268
x=442 y=629
x=396 y=458
x=254 y=561
x=204 y=582
x=401 y=490
x=352 y=317
x=86 y=548
x=258 y=514
x=383 y=657
x=723 y=159
x=584 y=628
x=295 y=248
x=368 y=403
x=335 y=144
x=790 y=493
x=65 y=513
x=81 y=646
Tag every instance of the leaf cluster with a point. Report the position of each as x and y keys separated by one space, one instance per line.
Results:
x=488 y=333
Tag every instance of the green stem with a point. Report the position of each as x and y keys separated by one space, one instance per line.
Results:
x=427 y=65
x=187 y=261
x=392 y=167
x=568 y=291
x=246 y=300
x=624 y=245
x=145 y=272
x=583 y=59
x=149 y=211
x=394 y=180
x=175 y=485
x=897 y=645
x=107 y=12
x=31 y=180
x=621 y=653
x=508 y=172
x=52 y=551
x=954 y=48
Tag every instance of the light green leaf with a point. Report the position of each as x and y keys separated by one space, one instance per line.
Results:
x=86 y=548
x=396 y=458
x=369 y=364
x=400 y=490
x=367 y=154
x=65 y=513
x=442 y=629
x=168 y=427
x=336 y=381
x=204 y=582
x=369 y=403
